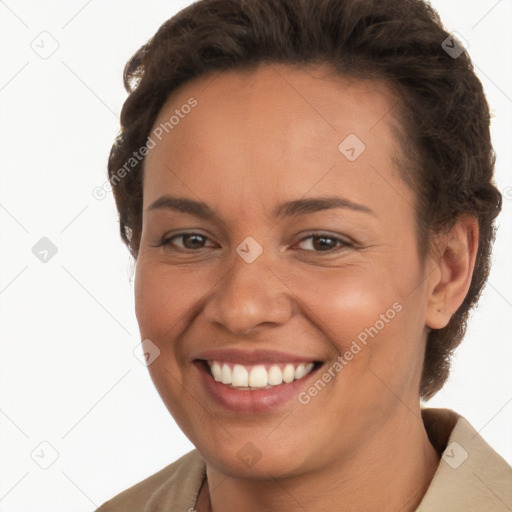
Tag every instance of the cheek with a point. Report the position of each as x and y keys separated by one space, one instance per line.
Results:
x=372 y=321
x=165 y=297
x=343 y=302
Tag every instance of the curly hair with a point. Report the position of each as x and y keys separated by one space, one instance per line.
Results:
x=445 y=135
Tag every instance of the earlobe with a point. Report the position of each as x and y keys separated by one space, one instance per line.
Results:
x=454 y=264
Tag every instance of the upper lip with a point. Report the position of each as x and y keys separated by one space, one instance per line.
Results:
x=257 y=356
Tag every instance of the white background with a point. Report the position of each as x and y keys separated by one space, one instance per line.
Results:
x=68 y=375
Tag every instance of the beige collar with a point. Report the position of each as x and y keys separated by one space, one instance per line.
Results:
x=471 y=476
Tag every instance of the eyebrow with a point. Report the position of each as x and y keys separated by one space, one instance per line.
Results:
x=288 y=209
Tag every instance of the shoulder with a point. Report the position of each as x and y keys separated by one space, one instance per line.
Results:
x=176 y=486
x=471 y=475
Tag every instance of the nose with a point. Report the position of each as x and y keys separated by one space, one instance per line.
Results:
x=249 y=295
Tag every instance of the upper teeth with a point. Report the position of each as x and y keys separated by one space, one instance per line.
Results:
x=258 y=376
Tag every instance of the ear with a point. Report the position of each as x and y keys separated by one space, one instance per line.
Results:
x=453 y=263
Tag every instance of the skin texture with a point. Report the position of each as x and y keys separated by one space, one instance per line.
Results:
x=257 y=139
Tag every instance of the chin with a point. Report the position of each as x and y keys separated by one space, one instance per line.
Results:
x=256 y=460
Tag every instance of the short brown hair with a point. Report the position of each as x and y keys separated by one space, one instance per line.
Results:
x=443 y=108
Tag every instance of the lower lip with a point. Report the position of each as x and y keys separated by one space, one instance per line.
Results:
x=252 y=401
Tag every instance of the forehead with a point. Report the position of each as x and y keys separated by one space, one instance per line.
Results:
x=277 y=124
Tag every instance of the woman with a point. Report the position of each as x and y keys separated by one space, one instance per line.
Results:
x=307 y=189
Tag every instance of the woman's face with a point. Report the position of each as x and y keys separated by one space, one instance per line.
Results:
x=294 y=243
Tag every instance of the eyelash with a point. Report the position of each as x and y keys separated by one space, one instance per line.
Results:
x=341 y=243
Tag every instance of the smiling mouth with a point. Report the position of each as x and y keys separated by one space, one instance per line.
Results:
x=260 y=376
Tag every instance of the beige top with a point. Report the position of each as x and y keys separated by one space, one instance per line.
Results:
x=471 y=476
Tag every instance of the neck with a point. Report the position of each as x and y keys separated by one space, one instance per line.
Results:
x=391 y=472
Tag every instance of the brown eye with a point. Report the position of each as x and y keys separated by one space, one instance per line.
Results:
x=323 y=243
x=190 y=241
